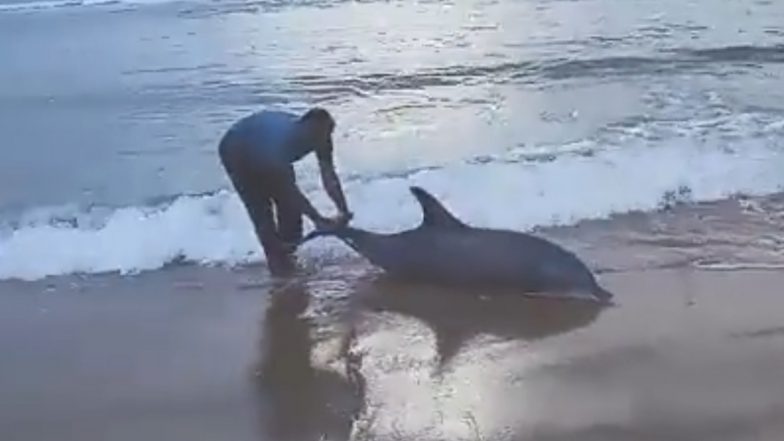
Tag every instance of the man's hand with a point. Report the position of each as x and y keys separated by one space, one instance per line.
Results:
x=344 y=218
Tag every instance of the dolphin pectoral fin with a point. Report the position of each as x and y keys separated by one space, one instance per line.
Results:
x=434 y=214
x=353 y=237
x=312 y=235
x=323 y=232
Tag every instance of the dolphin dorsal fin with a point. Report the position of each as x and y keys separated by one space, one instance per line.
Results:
x=433 y=212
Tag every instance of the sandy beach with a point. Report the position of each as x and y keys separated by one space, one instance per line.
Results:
x=193 y=353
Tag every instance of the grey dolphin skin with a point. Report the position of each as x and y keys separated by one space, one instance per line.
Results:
x=444 y=250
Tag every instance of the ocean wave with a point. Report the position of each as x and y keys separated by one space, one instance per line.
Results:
x=670 y=61
x=518 y=190
x=194 y=5
x=55 y=4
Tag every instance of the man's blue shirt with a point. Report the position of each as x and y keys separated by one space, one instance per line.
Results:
x=270 y=137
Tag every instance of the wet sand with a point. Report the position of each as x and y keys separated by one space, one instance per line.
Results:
x=687 y=354
x=191 y=353
x=149 y=357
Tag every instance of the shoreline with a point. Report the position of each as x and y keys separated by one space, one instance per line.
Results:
x=676 y=229
x=194 y=352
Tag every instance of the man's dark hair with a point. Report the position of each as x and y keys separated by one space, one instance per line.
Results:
x=319 y=115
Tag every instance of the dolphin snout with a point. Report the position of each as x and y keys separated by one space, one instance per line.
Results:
x=604 y=296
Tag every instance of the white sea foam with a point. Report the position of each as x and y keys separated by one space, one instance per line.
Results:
x=214 y=229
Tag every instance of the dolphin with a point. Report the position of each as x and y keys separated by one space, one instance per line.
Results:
x=444 y=250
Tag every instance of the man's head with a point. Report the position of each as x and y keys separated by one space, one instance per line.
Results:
x=319 y=126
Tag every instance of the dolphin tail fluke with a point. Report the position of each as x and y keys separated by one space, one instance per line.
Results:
x=321 y=232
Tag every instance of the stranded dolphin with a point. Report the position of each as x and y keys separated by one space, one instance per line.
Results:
x=444 y=250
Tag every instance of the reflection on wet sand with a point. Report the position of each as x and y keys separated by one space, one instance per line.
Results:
x=298 y=400
x=301 y=400
x=442 y=364
x=456 y=317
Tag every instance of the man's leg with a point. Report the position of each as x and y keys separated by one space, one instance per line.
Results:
x=289 y=214
x=255 y=195
x=260 y=211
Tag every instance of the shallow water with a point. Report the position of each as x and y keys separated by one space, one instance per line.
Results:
x=553 y=112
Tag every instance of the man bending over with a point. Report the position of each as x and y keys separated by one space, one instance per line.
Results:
x=258 y=153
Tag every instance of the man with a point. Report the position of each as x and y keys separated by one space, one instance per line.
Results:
x=258 y=153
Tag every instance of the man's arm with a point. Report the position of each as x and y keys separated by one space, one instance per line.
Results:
x=331 y=182
x=301 y=200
